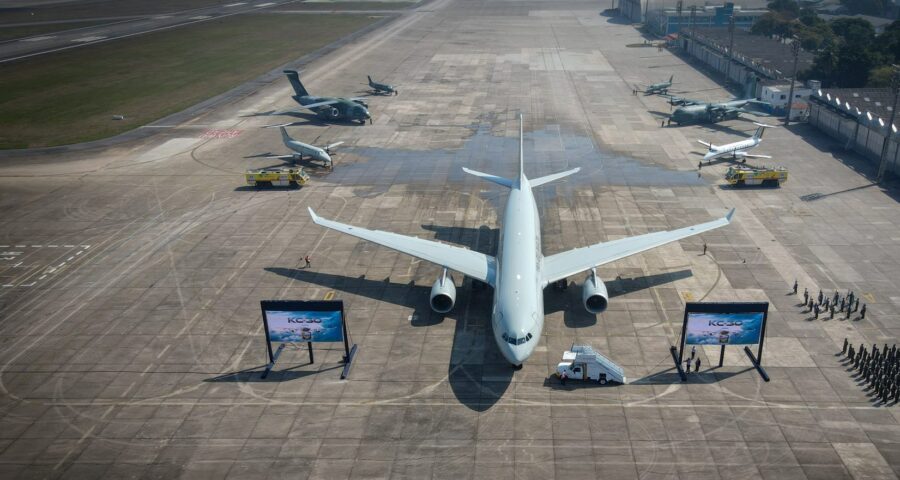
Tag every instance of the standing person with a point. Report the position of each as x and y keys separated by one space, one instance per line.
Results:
x=306 y=259
x=693 y=351
x=862 y=313
x=805 y=295
x=687 y=364
x=832 y=312
x=843 y=302
x=563 y=377
x=700 y=165
x=834 y=299
x=820 y=297
x=847 y=317
x=697 y=366
x=704 y=248
x=816 y=310
x=856 y=307
x=795 y=286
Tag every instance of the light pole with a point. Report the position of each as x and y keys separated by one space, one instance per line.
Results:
x=795 y=49
x=730 y=49
x=895 y=86
x=678 y=7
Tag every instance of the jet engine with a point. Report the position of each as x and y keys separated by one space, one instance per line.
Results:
x=594 y=294
x=443 y=293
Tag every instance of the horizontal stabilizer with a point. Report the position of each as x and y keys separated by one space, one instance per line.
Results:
x=492 y=178
x=704 y=143
x=750 y=155
x=537 y=182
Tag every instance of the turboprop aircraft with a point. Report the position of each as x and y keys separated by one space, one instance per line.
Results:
x=382 y=87
x=660 y=88
x=695 y=111
x=737 y=149
x=327 y=108
x=301 y=149
x=519 y=273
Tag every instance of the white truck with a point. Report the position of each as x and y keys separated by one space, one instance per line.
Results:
x=585 y=363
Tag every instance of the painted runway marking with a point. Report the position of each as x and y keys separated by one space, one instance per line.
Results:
x=92 y=38
x=38 y=39
x=220 y=133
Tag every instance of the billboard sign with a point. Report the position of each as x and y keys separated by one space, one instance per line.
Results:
x=710 y=328
x=295 y=321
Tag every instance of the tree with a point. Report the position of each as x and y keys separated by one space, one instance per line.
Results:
x=853 y=67
x=880 y=77
x=854 y=31
x=789 y=8
x=771 y=23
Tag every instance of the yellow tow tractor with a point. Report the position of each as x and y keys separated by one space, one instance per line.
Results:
x=766 y=177
x=276 y=177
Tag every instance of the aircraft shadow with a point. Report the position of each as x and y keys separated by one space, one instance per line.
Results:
x=482 y=239
x=670 y=376
x=478 y=374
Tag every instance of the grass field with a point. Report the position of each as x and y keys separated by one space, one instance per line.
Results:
x=69 y=97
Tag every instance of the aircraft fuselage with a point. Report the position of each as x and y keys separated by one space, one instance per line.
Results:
x=517 y=316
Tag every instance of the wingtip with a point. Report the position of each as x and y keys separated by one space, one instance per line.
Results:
x=730 y=214
x=312 y=214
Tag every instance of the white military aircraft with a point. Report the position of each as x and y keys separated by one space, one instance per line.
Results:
x=301 y=149
x=737 y=149
x=519 y=273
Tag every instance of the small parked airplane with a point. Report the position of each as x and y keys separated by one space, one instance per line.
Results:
x=301 y=149
x=382 y=87
x=520 y=272
x=737 y=149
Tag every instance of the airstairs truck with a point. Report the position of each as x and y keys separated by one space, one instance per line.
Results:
x=584 y=363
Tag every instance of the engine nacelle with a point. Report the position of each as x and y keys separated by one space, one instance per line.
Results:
x=443 y=293
x=594 y=295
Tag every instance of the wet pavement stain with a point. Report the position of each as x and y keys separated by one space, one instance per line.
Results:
x=547 y=151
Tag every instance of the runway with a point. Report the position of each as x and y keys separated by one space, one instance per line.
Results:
x=140 y=356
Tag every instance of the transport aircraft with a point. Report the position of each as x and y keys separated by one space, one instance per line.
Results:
x=661 y=88
x=520 y=272
x=326 y=108
x=737 y=149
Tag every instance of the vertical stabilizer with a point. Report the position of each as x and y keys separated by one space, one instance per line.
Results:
x=370 y=79
x=294 y=77
x=671 y=77
x=521 y=151
x=760 y=130
x=285 y=137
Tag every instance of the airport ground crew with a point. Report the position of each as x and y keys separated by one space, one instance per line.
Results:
x=805 y=295
x=704 y=248
x=862 y=313
x=844 y=350
x=795 y=286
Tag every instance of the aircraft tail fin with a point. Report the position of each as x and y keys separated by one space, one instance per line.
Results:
x=521 y=150
x=294 y=77
x=762 y=128
x=671 y=77
x=284 y=135
x=370 y=79
x=537 y=182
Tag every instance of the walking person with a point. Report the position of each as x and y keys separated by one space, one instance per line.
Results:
x=862 y=313
x=697 y=366
x=693 y=351
x=306 y=259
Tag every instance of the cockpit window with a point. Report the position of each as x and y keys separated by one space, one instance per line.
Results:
x=516 y=341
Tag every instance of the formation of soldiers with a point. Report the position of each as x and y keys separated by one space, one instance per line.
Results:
x=823 y=304
x=880 y=369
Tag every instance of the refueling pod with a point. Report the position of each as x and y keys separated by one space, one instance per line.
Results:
x=443 y=293
x=594 y=294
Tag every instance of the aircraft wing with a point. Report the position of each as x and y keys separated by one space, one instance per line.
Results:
x=750 y=155
x=704 y=143
x=564 y=264
x=281 y=157
x=472 y=264
x=310 y=106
